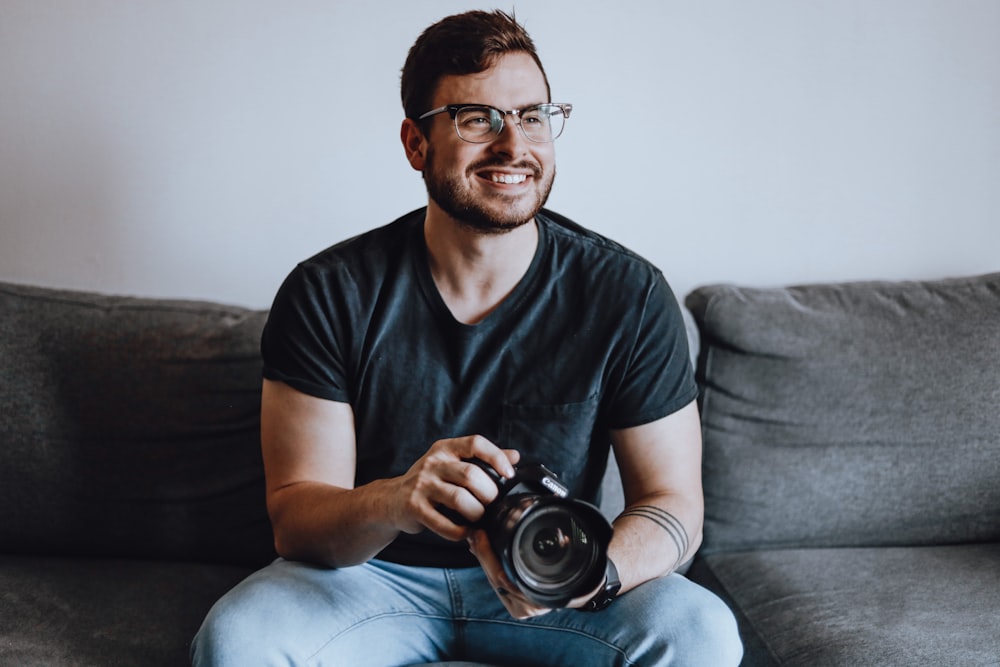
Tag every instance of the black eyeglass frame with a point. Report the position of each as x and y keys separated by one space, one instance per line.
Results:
x=453 y=109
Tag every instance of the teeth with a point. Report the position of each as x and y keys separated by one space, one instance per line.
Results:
x=509 y=179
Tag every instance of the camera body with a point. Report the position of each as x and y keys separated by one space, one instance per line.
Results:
x=551 y=546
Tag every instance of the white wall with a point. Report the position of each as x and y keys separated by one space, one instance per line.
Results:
x=199 y=149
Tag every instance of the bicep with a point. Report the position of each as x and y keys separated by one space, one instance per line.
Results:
x=661 y=457
x=305 y=439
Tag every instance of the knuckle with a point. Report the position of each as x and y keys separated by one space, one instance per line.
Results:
x=469 y=475
x=460 y=499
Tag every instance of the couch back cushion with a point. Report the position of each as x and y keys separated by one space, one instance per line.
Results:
x=130 y=427
x=856 y=414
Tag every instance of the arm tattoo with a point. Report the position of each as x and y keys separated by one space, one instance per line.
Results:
x=668 y=522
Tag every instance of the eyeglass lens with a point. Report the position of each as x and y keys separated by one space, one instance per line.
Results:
x=542 y=123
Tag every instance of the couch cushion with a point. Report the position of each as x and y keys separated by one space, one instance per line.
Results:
x=866 y=606
x=850 y=414
x=105 y=612
x=130 y=427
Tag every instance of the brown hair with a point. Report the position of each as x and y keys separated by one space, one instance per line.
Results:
x=466 y=43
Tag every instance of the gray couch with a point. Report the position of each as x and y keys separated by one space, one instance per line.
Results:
x=131 y=485
x=852 y=470
x=852 y=435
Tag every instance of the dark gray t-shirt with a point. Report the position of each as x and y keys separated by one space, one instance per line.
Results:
x=590 y=339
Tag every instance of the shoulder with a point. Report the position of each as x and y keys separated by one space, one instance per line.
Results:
x=350 y=273
x=611 y=277
x=601 y=256
x=376 y=245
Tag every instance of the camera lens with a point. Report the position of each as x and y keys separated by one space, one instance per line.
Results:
x=551 y=546
x=549 y=542
x=553 y=550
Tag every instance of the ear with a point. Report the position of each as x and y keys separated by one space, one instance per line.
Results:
x=414 y=143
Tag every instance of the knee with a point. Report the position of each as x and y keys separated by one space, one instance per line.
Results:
x=710 y=635
x=687 y=625
x=229 y=635
x=210 y=645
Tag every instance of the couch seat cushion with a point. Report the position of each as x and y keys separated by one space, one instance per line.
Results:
x=863 y=606
x=83 y=612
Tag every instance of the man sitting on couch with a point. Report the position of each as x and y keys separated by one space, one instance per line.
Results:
x=482 y=327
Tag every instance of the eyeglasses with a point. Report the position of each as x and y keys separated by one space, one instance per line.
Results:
x=481 y=123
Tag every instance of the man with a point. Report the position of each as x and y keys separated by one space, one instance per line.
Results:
x=482 y=327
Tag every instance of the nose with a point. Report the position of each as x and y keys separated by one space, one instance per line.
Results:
x=511 y=140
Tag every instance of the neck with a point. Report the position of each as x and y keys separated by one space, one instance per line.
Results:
x=473 y=270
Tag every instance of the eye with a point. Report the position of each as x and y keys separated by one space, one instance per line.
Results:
x=475 y=118
x=536 y=116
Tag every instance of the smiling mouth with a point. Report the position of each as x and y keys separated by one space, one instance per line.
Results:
x=508 y=179
x=499 y=173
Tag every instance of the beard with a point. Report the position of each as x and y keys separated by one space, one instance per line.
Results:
x=496 y=214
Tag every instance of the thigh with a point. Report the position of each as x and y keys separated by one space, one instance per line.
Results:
x=297 y=614
x=667 y=621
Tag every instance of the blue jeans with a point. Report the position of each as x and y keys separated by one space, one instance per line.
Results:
x=387 y=615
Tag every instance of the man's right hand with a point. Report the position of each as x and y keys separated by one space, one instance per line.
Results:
x=444 y=477
x=318 y=515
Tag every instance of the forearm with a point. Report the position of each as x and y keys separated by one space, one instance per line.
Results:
x=334 y=525
x=661 y=526
x=654 y=536
x=329 y=525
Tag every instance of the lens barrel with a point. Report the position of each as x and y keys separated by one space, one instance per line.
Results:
x=554 y=548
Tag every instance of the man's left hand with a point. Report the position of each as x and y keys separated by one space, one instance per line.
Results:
x=513 y=600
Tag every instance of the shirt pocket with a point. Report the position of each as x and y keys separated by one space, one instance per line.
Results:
x=555 y=435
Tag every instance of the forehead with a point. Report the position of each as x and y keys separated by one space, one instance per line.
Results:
x=512 y=82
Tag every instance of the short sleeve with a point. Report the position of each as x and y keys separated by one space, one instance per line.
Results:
x=302 y=345
x=658 y=379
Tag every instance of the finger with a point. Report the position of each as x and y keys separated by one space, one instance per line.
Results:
x=513 y=456
x=516 y=604
x=453 y=508
x=467 y=476
x=479 y=545
x=441 y=525
x=484 y=450
x=442 y=479
x=476 y=447
x=423 y=513
x=448 y=479
x=441 y=507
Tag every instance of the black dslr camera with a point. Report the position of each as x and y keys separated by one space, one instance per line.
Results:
x=554 y=548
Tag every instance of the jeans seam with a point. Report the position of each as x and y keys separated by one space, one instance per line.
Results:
x=552 y=628
x=365 y=621
x=457 y=607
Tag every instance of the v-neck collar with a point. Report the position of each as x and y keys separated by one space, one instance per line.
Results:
x=421 y=261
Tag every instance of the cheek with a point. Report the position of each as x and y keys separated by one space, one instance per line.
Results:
x=546 y=156
x=451 y=159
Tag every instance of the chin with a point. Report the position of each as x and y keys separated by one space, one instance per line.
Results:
x=492 y=226
x=484 y=213
x=492 y=221
x=499 y=216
